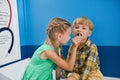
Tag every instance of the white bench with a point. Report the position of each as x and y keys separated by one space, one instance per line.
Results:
x=15 y=71
x=110 y=78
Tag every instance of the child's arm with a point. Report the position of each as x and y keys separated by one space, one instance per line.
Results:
x=62 y=63
x=58 y=69
x=58 y=72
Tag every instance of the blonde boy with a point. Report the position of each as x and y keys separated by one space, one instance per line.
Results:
x=87 y=60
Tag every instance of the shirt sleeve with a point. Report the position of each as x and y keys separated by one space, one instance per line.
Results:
x=91 y=59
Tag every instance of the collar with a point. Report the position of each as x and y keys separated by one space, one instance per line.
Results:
x=88 y=42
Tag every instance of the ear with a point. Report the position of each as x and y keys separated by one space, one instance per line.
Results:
x=90 y=32
x=58 y=35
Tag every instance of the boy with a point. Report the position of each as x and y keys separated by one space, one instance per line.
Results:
x=87 y=60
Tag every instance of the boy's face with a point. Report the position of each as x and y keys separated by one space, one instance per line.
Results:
x=81 y=29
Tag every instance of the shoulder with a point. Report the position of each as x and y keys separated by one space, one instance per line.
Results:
x=46 y=47
x=93 y=49
x=51 y=54
x=43 y=48
x=93 y=46
x=90 y=44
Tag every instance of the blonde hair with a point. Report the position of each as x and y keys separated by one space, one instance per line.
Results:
x=57 y=25
x=83 y=21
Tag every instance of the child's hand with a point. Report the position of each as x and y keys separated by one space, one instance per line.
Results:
x=76 y=41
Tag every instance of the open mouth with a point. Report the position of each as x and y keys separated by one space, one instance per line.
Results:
x=79 y=34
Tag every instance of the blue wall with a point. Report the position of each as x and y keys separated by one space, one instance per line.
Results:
x=103 y=13
x=34 y=16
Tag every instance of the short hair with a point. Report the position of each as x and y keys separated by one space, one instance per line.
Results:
x=84 y=21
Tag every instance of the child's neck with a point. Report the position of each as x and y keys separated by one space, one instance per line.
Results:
x=55 y=45
x=82 y=43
